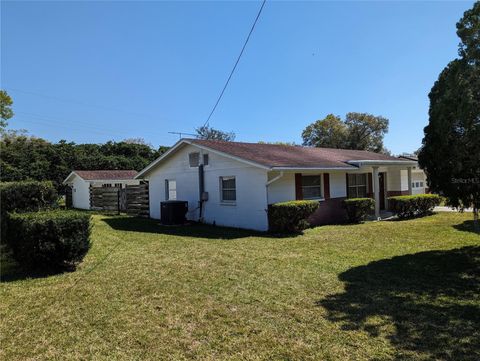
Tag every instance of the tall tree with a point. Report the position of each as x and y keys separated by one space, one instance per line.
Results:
x=366 y=131
x=360 y=131
x=6 y=111
x=330 y=132
x=206 y=132
x=450 y=153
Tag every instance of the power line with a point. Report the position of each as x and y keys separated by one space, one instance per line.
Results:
x=77 y=124
x=236 y=63
x=78 y=102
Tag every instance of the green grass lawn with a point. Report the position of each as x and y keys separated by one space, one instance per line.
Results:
x=377 y=291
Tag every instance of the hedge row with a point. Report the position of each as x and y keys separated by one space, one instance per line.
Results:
x=290 y=216
x=358 y=209
x=49 y=239
x=25 y=196
x=414 y=206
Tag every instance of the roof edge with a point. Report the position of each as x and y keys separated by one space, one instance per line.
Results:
x=192 y=142
x=69 y=175
x=351 y=167
x=159 y=159
x=240 y=159
x=370 y=162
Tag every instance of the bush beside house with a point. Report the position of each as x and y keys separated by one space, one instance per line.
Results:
x=25 y=196
x=414 y=206
x=38 y=235
x=49 y=239
x=358 y=209
x=290 y=216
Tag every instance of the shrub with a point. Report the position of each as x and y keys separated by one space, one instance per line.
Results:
x=290 y=216
x=25 y=196
x=414 y=206
x=49 y=239
x=358 y=208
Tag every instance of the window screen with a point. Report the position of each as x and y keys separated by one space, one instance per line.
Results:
x=357 y=185
x=228 y=189
x=312 y=186
x=194 y=159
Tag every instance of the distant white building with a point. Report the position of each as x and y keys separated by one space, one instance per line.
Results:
x=80 y=180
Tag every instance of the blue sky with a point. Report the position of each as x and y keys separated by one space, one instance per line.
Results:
x=95 y=71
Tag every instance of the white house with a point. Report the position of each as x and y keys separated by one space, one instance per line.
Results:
x=419 y=178
x=80 y=181
x=232 y=183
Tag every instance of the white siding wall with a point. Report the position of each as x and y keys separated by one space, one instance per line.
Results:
x=249 y=211
x=397 y=180
x=338 y=185
x=283 y=189
x=80 y=193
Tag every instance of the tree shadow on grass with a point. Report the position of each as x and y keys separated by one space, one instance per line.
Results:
x=431 y=298
x=192 y=229
x=466 y=226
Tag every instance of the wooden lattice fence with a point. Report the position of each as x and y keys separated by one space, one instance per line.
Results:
x=133 y=199
x=137 y=199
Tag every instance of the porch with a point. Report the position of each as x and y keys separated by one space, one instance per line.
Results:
x=378 y=180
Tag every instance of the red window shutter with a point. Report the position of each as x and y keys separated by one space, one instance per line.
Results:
x=298 y=186
x=326 y=185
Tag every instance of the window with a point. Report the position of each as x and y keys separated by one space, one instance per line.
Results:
x=170 y=189
x=106 y=185
x=312 y=186
x=357 y=185
x=194 y=159
x=228 y=189
x=205 y=159
x=421 y=184
x=118 y=185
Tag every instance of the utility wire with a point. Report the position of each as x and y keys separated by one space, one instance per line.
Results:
x=27 y=117
x=236 y=63
x=79 y=102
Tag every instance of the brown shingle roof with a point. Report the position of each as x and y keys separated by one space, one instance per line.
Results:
x=273 y=155
x=106 y=174
x=409 y=157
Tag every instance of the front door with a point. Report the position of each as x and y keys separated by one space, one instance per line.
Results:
x=381 y=181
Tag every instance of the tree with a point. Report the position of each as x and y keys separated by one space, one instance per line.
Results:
x=330 y=132
x=6 y=111
x=366 y=131
x=360 y=131
x=450 y=153
x=206 y=132
x=26 y=157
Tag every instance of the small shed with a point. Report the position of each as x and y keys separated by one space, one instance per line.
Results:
x=79 y=182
